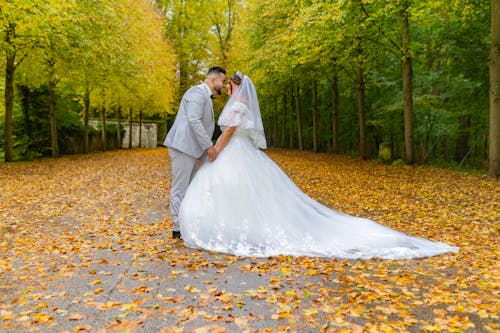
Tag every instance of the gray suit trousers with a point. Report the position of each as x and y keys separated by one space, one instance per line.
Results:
x=183 y=169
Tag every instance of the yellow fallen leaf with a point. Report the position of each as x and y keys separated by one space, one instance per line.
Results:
x=40 y=318
x=6 y=315
x=41 y=305
x=75 y=316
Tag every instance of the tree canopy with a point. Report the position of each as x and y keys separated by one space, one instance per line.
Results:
x=105 y=54
x=337 y=76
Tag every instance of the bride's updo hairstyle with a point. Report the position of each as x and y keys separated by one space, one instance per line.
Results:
x=236 y=79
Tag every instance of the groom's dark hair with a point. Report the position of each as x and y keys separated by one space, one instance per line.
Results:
x=216 y=70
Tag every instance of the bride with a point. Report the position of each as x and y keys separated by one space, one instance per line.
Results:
x=244 y=204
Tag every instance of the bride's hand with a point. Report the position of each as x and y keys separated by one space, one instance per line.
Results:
x=225 y=137
x=212 y=153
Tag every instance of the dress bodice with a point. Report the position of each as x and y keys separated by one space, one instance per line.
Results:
x=239 y=115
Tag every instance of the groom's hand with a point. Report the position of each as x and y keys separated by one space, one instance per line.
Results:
x=212 y=154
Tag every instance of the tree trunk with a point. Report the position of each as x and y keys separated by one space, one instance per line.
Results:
x=275 y=122
x=363 y=151
x=183 y=57
x=462 y=147
x=25 y=105
x=283 y=121
x=223 y=31
x=360 y=84
x=130 y=128
x=103 y=123
x=446 y=148
x=268 y=124
x=335 y=115
x=86 y=111
x=118 y=115
x=485 y=149
x=140 y=128
x=315 y=115
x=298 y=114
x=292 y=100
x=494 y=151
x=407 y=86
x=10 y=67
x=52 y=111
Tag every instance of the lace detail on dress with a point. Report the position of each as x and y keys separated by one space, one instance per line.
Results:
x=237 y=115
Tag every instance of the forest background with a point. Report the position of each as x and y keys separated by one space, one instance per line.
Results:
x=405 y=81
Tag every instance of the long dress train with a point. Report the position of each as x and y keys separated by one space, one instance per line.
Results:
x=244 y=204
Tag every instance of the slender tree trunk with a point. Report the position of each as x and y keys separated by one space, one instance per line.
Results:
x=485 y=149
x=464 y=123
x=360 y=85
x=427 y=145
x=25 y=105
x=268 y=125
x=407 y=86
x=140 y=128
x=183 y=57
x=283 y=121
x=118 y=116
x=292 y=101
x=275 y=122
x=298 y=113
x=446 y=149
x=315 y=115
x=361 y=108
x=103 y=123
x=53 y=124
x=335 y=114
x=10 y=68
x=494 y=150
x=130 y=124
x=52 y=111
x=224 y=31
x=86 y=111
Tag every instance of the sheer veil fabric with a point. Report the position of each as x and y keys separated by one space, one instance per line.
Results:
x=243 y=110
x=244 y=204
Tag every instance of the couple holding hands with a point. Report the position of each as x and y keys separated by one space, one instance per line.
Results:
x=240 y=202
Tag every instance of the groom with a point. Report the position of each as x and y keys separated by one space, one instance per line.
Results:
x=191 y=137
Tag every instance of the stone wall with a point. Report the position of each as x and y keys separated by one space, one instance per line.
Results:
x=149 y=133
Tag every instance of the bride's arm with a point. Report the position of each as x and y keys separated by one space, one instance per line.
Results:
x=225 y=137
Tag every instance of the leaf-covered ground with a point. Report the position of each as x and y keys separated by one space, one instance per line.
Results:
x=84 y=248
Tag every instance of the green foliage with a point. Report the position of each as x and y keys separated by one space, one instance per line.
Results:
x=112 y=54
x=32 y=125
x=297 y=41
x=134 y=56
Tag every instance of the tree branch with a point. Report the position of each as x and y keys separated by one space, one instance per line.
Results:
x=394 y=44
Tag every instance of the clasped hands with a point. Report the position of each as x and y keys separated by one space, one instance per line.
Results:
x=212 y=153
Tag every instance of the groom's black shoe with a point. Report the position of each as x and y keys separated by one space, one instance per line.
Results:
x=176 y=234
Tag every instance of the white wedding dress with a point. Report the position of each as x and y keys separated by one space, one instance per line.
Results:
x=244 y=204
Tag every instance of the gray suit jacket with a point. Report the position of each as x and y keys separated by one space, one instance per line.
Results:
x=194 y=124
